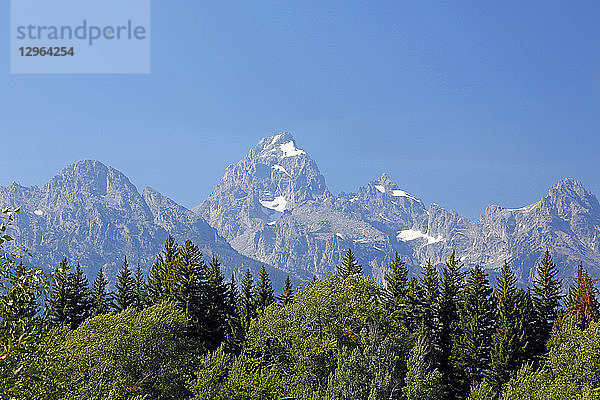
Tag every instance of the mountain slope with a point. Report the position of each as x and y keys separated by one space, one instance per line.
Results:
x=93 y=214
x=274 y=206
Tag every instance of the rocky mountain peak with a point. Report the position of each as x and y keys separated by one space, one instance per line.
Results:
x=280 y=146
x=571 y=188
x=91 y=177
x=387 y=187
x=569 y=197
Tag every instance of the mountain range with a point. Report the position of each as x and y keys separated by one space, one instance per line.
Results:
x=274 y=208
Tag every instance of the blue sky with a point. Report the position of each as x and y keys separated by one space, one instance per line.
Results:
x=462 y=105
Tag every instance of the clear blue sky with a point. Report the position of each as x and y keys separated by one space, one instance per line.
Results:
x=486 y=102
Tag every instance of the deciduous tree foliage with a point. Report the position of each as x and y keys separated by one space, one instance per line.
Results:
x=334 y=341
x=423 y=381
x=118 y=357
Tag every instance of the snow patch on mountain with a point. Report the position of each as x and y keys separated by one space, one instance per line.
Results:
x=380 y=188
x=526 y=208
x=281 y=169
x=278 y=204
x=39 y=213
x=402 y=193
x=289 y=150
x=408 y=235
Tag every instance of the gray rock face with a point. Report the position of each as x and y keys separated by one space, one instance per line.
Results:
x=93 y=214
x=273 y=207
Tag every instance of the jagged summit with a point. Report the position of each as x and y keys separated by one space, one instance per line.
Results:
x=572 y=189
x=92 y=177
x=387 y=186
x=273 y=207
x=279 y=147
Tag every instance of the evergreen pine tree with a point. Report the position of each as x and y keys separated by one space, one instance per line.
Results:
x=546 y=299
x=163 y=274
x=187 y=282
x=235 y=336
x=509 y=342
x=80 y=299
x=430 y=304
x=526 y=326
x=570 y=300
x=477 y=316
x=412 y=313
x=141 y=295
x=396 y=287
x=287 y=296
x=233 y=290
x=349 y=266
x=57 y=307
x=125 y=294
x=449 y=332
x=218 y=308
x=101 y=302
x=246 y=303
x=264 y=295
x=69 y=301
x=582 y=301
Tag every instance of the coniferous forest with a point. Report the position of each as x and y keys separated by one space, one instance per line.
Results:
x=185 y=331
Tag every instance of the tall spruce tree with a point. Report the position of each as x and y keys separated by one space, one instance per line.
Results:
x=58 y=304
x=396 y=287
x=349 y=266
x=477 y=317
x=582 y=300
x=81 y=302
x=101 y=299
x=412 y=312
x=141 y=293
x=163 y=274
x=546 y=299
x=125 y=295
x=187 y=282
x=218 y=309
x=510 y=339
x=396 y=294
x=246 y=303
x=233 y=290
x=264 y=295
x=287 y=296
x=69 y=301
x=450 y=292
x=235 y=336
x=526 y=318
x=430 y=284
